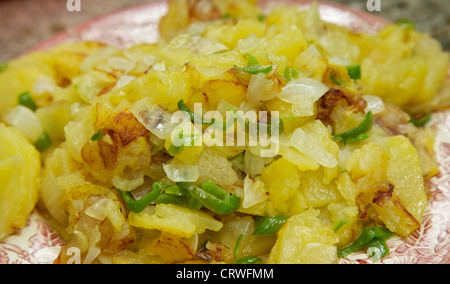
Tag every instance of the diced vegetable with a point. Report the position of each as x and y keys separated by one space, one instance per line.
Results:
x=181 y=173
x=357 y=134
x=43 y=143
x=26 y=121
x=266 y=226
x=26 y=100
x=138 y=206
x=354 y=71
x=303 y=93
x=373 y=238
x=253 y=66
x=209 y=197
x=422 y=121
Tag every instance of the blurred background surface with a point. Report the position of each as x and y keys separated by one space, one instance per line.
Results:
x=25 y=23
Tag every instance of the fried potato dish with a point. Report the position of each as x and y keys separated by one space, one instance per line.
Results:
x=239 y=137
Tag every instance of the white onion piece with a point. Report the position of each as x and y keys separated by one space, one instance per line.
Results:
x=119 y=63
x=254 y=192
x=339 y=61
x=106 y=208
x=153 y=117
x=123 y=81
x=306 y=145
x=94 y=237
x=374 y=104
x=246 y=45
x=181 y=173
x=261 y=89
x=303 y=93
x=254 y=164
x=44 y=84
x=26 y=121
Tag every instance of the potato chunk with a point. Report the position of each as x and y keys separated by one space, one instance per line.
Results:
x=305 y=239
x=19 y=176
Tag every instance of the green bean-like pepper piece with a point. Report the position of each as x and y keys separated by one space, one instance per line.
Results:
x=290 y=73
x=137 y=206
x=195 y=118
x=26 y=100
x=269 y=226
x=253 y=67
x=422 y=121
x=382 y=233
x=43 y=143
x=219 y=206
x=97 y=136
x=358 y=133
x=406 y=24
x=354 y=71
x=249 y=260
x=366 y=236
x=377 y=249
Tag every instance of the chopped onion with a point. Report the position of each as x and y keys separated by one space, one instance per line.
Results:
x=246 y=45
x=26 y=121
x=254 y=192
x=303 y=93
x=120 y=63
x=374 y=104
x=181 y=173
x=339 y=61
x=306 y=145
x=261 y=89
x=106 y=208
x=94 y=236
x=153 y=117
x=254 y=164
x=96 y=210
x=123 y=81
x=44 y=84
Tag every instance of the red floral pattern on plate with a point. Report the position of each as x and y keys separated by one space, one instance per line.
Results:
x=38 y=243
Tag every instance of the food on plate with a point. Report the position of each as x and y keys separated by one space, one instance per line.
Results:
x=239 y=137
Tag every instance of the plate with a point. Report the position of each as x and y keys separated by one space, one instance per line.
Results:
x=37 y=243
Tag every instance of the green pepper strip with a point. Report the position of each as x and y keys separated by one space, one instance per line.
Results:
x=195 y=118
x=366 y=236
x=354 y=71
x=97 y=136
x=290 y=73
x=253 y=67
x=358 y=133
x=338 y=225
x=421 y=122
x=249 y=260
x=176 y=195
x=269 y=226
x=237 y=247
x=373 y=237
x=405 y=23
x=214 y=203
x=26 y=100
x=137 y=206
x=380 y=246
x=43 y=143
x=336 y=80
x=382 y=233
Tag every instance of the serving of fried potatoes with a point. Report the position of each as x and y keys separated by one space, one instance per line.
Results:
x=90 y=134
